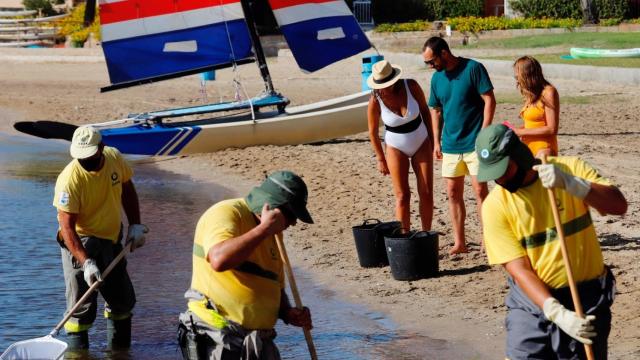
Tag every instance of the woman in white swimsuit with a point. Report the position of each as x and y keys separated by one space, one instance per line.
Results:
x=403 y=109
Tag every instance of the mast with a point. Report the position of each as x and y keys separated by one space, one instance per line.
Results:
x=257 y=46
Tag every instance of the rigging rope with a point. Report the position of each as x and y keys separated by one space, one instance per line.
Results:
x=236 y=76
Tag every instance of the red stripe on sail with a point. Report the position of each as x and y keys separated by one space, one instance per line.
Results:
x=136 y=9
x=279 y=4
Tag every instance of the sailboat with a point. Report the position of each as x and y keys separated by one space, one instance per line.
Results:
x=152 y=40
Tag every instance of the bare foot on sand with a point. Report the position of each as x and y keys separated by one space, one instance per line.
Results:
x=458 y=249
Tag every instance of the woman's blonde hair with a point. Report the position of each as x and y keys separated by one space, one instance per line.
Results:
x=529 y=78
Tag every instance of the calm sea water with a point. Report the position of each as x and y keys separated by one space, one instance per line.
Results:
x=32 y=287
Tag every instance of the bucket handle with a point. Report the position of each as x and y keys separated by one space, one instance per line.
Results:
x=418 y=232
x=370 y=221
x=400 y=228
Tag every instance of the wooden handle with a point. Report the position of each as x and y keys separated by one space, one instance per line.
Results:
x=91 y=289
x=295 y=293
x=575 y=295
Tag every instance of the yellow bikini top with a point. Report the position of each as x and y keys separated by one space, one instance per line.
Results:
x=533 y=115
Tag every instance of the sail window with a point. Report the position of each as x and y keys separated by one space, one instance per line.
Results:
x=331 y=34
x=181 y=46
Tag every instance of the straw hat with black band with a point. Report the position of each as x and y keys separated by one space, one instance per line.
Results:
x=383 y=74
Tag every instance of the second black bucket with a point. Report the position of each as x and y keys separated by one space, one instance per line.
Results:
x=369 y=238
x=413 y=255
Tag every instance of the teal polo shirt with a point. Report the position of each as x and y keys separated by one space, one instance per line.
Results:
x=457 y=93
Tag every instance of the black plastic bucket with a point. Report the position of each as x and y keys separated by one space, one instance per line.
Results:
x=369 y=238
x=413 y=255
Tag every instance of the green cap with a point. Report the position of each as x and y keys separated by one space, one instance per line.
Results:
x=495 y=145
x=282 y=188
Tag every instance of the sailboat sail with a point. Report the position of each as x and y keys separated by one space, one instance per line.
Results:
x=149 y=39
x=319 y=32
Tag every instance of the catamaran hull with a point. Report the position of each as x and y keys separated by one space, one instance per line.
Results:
x=283 y=129
x=589 y=53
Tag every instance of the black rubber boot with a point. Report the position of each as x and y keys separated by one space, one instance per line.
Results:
x=78 y=340
x=119 y=333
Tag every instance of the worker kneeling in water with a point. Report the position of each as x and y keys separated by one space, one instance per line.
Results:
x=519 y=233
x=237 y=286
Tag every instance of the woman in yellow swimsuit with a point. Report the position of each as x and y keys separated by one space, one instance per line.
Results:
x=541 y=108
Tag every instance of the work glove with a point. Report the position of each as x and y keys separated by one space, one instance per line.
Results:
x=552 y=177
x=136 y=235
x=578 y=328
x=91 y=271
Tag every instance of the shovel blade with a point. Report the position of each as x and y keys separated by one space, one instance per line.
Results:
x=44 y=348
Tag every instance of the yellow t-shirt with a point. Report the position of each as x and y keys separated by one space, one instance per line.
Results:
x=95 y=196
x=250 y=293
x=521 y=224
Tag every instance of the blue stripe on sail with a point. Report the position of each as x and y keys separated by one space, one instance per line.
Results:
x=144 y=140
x=312 y=54
x=144 y=56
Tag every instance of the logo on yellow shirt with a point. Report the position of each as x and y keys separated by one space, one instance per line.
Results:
x=64 y=198
x=114 y=178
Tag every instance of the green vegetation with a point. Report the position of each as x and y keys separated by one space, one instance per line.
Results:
x=478 y=24
x=548 y=8
x=44 y=6
x=568 y=40
x=398 y=11
x=73 y=26
x=418 y=25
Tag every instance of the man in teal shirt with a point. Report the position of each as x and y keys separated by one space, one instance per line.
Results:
x=461 y=103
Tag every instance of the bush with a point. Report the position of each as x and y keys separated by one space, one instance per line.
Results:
x=73 y=25
x=611 y=9
x=418 y=25
x=548 y=8
x=41 y=5
x=609 y=22
x=474 y=24
x=442 y=9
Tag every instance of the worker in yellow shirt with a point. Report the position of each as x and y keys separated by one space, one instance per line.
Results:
x=520 y=234
x=89 y=195
x=237 y=286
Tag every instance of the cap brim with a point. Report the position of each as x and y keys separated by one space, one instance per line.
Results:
x=301 y=212
x=83 y=152
x=374 y=85
x=488 y=172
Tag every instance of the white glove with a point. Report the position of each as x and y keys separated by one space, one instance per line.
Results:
x=91 y=271
x=567 y=320
x=552 y=177
x=136 y=235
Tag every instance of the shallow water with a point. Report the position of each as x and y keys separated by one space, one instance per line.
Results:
x=32 y=286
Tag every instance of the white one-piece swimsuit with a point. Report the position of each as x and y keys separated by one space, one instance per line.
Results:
x=407 y=142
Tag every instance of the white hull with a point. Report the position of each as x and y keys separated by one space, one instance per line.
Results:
x=286 y=129
x=320 y=121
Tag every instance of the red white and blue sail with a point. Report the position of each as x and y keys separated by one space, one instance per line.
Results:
x=146 y=39
x=319 y=32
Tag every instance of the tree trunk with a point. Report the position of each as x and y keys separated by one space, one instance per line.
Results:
x=587 y=16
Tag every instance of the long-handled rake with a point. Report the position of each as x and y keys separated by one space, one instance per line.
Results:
x=48 y=347
x=295 y=293
x=575 y=295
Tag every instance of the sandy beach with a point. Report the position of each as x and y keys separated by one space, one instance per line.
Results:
x=465 y=304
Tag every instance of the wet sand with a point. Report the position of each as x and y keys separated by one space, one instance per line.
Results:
x=464 y=304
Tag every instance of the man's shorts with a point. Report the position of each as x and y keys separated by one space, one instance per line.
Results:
x=455 y=165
